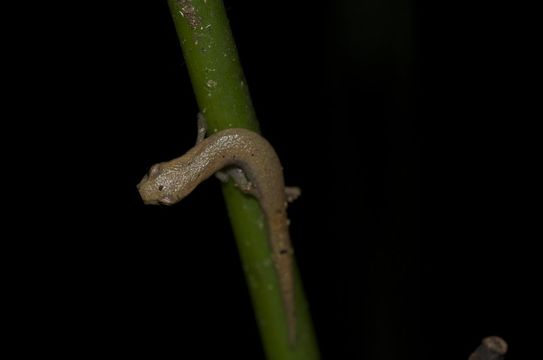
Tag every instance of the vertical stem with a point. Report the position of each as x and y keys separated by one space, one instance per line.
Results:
x=223 y=97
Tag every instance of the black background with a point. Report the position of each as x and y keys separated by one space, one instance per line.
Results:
x=400 y=122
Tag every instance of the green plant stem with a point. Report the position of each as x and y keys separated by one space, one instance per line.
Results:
x=223 y=97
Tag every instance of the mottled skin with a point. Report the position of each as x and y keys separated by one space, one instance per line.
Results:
x=261 y=176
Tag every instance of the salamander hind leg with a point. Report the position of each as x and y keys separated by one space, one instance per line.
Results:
x=292 y=193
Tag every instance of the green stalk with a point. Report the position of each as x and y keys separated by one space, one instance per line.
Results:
x=223 y=97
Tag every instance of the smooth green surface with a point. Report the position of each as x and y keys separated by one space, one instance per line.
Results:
x=212 y=61
x=223 y=97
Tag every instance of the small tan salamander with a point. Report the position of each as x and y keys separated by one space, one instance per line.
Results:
x=255 y=168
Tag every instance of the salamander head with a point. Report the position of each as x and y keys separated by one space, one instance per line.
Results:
x=165 y=185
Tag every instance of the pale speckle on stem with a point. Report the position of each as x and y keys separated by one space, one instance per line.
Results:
x=211 y=84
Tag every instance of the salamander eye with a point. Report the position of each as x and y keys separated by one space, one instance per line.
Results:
x=160 y=187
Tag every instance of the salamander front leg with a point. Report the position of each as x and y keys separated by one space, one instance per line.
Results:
x=202 y=128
